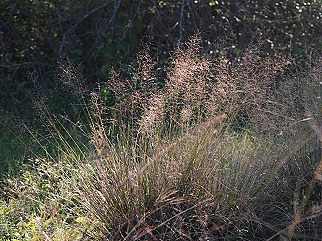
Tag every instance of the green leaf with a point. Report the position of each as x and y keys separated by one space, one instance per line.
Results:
x=105 y=68
x=77 y=52
x=81 y=220
x=138 y=25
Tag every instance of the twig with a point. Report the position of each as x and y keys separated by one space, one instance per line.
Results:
x=181 y=19
x=24 y=63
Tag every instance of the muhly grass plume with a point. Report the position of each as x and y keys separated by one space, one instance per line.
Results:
x=198 y=88
x=221 y=152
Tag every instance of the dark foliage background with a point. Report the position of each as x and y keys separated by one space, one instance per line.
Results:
x=36 y=35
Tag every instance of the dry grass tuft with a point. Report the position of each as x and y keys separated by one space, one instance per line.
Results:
x=221 y=152
x=185 y=174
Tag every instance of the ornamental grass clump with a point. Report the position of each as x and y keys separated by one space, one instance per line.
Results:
x=165 y=191
x=218 y=151
x=190 y=168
